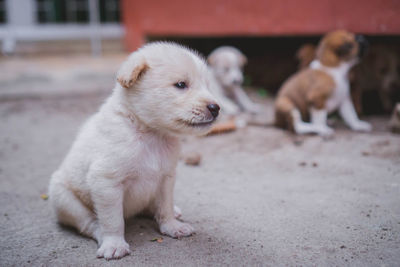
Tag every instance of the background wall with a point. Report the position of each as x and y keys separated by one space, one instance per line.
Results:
x=144 y=18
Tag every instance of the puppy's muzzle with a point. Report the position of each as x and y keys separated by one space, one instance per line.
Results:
x=237 y=82
x=362 y=45
x=214 y=109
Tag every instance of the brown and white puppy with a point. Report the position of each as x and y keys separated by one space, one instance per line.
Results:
x=227 y=64
x=378 y=72
x=313 y=93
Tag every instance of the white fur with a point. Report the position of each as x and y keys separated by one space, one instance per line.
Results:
x=341 y=99
x=317 y=124
x=340 y=77
x=227 y=63
x=124 y=158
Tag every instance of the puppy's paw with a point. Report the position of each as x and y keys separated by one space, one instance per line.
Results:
x=177 y=212
x=325 y=131
x=113 y=248
x=176 y=229
x=362 y=126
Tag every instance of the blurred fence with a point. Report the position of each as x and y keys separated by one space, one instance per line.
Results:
x=41 y=20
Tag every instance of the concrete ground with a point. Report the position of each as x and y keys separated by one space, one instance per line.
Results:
x=260 y=197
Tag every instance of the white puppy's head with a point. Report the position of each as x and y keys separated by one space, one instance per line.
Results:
x=227 y=64
x=167 y=87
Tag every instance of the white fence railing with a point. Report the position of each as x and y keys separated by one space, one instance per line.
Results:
x=22 y=26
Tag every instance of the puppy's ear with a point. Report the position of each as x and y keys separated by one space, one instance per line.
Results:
x=242 y=59
x=212 y=59
x=305 y=54
x=131 y=70
x=344 y=49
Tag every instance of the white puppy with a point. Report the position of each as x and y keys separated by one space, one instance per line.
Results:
x=123 y=161
x=227 y=64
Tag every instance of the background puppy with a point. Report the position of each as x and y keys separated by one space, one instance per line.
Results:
x=123 y=160
x=227 y=65
x=323 y=88
x=375 y=82
x=377 y=76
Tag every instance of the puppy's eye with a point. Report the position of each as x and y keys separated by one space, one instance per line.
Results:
x=180 y=85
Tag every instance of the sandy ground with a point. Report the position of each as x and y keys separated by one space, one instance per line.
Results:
x=260 y=197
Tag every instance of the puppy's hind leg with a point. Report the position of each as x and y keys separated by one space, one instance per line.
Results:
x=316 y=127
x=71 y=211
x=319 y=120
x=299 y=126
x=288 y=116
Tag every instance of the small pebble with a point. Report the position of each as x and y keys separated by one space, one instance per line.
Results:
x=365 y=153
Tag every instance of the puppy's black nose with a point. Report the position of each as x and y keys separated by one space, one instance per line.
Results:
x=214 y=109
x=237 y=82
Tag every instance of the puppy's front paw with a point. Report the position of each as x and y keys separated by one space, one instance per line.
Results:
x=325 y=131
x=362 y=126
x=113 y=248
x=176 y=229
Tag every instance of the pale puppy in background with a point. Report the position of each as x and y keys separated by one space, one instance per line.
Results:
x=123 y=160
x=227 y=64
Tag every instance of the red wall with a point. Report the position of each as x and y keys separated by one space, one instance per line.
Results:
x=256 y=17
